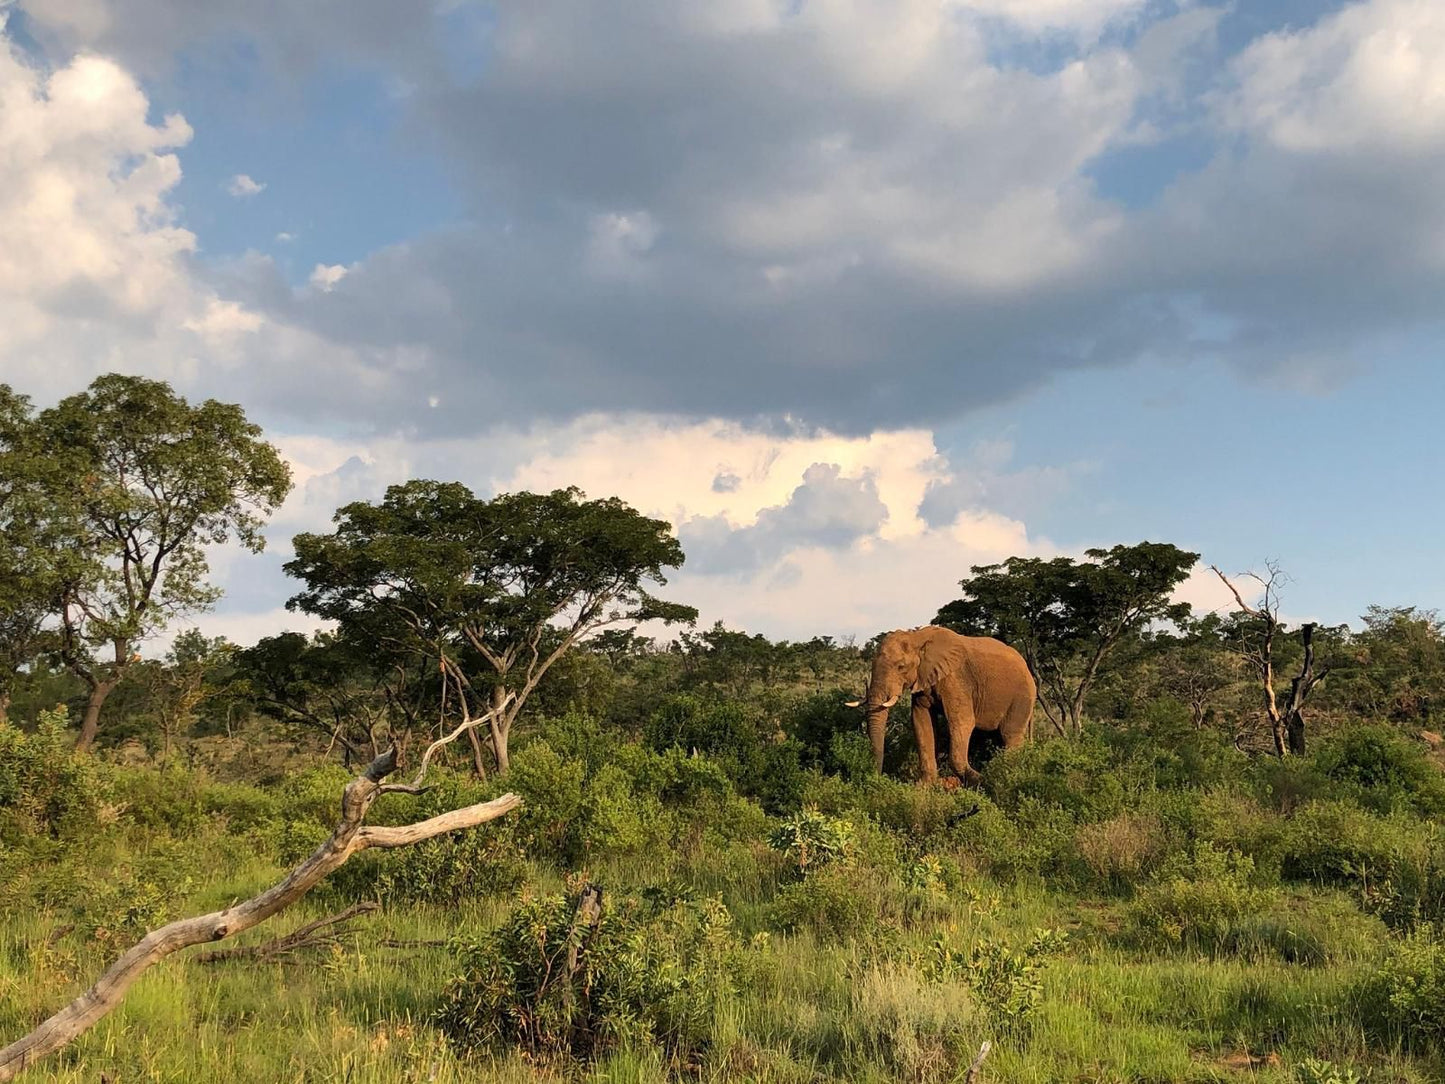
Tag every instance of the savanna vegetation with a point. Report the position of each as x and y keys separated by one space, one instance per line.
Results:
x=1219 y=856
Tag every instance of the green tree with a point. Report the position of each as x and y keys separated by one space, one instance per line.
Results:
x=177 y=687
x=1401 y=665
x=491 y=592
x=1066 y=616
x=349 y=692
x=27 y=565
x=141 y=482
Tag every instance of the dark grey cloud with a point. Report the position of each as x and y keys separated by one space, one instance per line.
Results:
x=851 y=216
x=826 y=510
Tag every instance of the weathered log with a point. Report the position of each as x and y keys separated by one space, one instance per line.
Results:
x=349 y=838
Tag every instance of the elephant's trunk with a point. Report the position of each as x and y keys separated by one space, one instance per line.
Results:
x=877 y=719
x=880 y=698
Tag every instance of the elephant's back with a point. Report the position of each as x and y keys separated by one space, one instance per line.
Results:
x=999 y=674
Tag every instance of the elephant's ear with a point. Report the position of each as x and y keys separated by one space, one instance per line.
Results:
x=943 y=651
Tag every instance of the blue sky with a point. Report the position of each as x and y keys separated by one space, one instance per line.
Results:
x=937 y=282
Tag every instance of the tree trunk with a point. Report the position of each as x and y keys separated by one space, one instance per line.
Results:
x=479 y=755
x=1299 y=691
x=4 y=707
x=501 y=725
x=90 y=721
x=499 y=746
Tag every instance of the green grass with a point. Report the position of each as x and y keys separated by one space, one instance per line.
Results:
x=1269 y=984
x=810 y=1010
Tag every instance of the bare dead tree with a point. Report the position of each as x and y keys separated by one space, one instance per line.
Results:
x=1287 y=720
x=350 y=837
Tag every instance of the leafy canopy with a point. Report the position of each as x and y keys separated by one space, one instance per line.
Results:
x=513 y=582
x=148 y=481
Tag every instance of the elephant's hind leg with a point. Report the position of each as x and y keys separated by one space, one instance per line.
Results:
x=1018 y=722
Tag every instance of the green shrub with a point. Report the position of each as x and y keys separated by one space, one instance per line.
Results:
x=168 y=800
x=812 y=840
x=1406 y=996
x=46 y=788
x=1007 y=982
x=918 y=812
x=1201 y=903
x=834 y=905
x=1081 y=777
x=645 y=976
x=1336 y=842
x=244 y=808
x=760 y=761
x=449 y=870
x=1378 y=768
x=1319 y=1071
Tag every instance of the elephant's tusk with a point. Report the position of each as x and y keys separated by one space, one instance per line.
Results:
x=852 y=703
x=890 y=701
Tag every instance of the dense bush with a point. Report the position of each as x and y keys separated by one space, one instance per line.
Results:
x=644 y=974
x=1377 y=768
x=757 y=755
x=46 y=788
x=1406 y=997
x=1201 y=903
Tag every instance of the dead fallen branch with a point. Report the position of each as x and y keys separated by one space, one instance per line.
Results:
x=312 y=935
x=350 y=837
x=972 y=1076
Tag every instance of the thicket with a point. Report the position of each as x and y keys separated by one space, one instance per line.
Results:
x=1194 y=848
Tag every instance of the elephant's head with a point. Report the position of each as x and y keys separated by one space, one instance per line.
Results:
x=895 y=673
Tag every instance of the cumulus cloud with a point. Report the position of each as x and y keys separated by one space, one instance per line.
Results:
x=839 y=225
x=325 y=277
x=826 y=511
x=242 y=186
x=820 y=533
x=1367 y=79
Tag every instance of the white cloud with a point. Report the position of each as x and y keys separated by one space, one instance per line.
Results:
x=829 y=566
x=1369 y=78
x=285 y=238
x=325 y=277
x=242 y=186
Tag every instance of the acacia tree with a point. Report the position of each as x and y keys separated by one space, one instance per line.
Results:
x=141 y=482
x=1066 y=616
x=491 y=592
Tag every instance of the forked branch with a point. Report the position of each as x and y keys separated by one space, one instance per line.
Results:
x=350 y=837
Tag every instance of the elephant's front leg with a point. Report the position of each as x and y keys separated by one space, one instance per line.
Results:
x=923 y=733
x=958 y=707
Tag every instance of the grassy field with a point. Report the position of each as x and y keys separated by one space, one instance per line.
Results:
x=1197 y=932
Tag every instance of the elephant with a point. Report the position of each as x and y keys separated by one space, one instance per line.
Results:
x=977 y=681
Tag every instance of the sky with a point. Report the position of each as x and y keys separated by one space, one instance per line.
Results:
x=857 y=294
